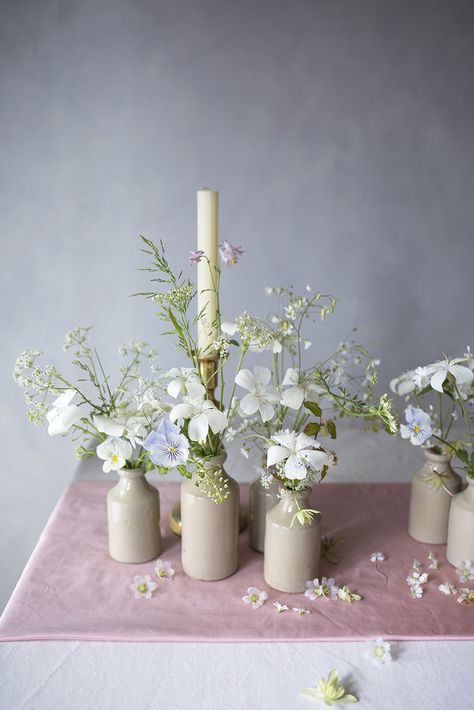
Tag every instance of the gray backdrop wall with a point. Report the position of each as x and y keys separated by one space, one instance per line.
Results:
x=340 y=137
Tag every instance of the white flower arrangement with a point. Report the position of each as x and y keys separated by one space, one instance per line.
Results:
x=446 y=391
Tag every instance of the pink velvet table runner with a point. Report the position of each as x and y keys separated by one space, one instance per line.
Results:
x=71 y=589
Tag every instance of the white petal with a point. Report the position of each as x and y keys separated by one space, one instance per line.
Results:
x=245 y=379
x=228 y=328
x=438 y=378
x=277 y=347
x=198 y=427
x=217 y=420
x=317 y=459
x=64 y=399
x=262 y=375
x=286 y=439
x=303 y=441
x=275 y=454
x=293 y=470
x=249 y=404
x=293 y=397
x=266 y=410
x=181 y=411
x=195 y=389
x=174 y=389
x=291 y=377
x=462 y=375
x=108 y=426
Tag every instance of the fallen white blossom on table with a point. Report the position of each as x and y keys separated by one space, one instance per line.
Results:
x=164 y=570
x=377 y=557
x=142 y=586
x=415 y=582
x=345 y=595
x=447 y=588
x=379 y=652
x=301 y=611
x=280 y=607
x=255 y=597
x=466 y=596
x=465 y=570
x=416 y=564
x=434 y=562
x=325 y=588
x=330 y=691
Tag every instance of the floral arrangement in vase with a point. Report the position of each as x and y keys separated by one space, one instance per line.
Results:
x=440 y=418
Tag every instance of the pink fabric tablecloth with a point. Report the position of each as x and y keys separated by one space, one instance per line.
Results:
x=71 y=589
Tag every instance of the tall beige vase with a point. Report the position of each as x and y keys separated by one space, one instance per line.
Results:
x=133 y=513
x=260 y=501
x=461 y=526
x=210 y=531
x=429 y=507
x=291 y=551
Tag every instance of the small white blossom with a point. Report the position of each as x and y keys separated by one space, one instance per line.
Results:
x=255 y=597
x=164 y=570
x=416 y=591
x=142 y=586
x=377 y=557
x=300 y=388
x=261 y=395
x=345 y=595
x=325 y=588
x=465 y=570
x=434 y=562
x=417 y=578
x=447 y=588
x=379 y=652
x=186 y=381
x=466 y=596
x=416 y=564
x=301 y=611
x=280 y=607
x=63 y=414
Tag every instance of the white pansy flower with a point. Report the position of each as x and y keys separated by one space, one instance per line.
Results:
x=439 y=372
x=186 y=381
x=261 y=393
x=202 y=414
x=63 y=414
x=114 y=452
x=164 y=570
x=142 y=586
x=298 y=451
x=325 y=588
x=111 y=426
x=300 y=388
x=447 y=588
x=280 y=607
x=377 y=557
x=465 y=570
x=255 y=597
x=379 y=652
x=301 y=611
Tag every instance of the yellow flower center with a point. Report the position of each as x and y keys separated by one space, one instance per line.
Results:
x=416 y=429
x=115 y=458
x=142 y=588
x=471 y=597
x=254 y=597
x=172 y=449
x=162 y=573
x=379 y=651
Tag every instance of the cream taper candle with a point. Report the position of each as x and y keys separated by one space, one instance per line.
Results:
x=207 y=236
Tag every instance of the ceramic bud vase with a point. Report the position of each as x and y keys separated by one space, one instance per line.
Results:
x=291 y=551
x=210 y=531
x=260 y=501
x=429 y=507
x=133 y=512
x=461 y=526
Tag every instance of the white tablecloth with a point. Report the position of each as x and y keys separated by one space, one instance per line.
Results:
x=85 y=676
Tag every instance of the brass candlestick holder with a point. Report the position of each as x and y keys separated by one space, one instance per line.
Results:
x=208 y=368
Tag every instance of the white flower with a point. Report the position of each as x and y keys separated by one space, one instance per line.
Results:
x=142 y=586
x=434 y=562
x=377 y=557
x=63 y=414
x=255 y=597
x=261 y=393
x=301 y=611
x=379 y=652
x=345 y=595
x=301 y=388
x=228 y=328
x=417 y=578
x=466 y=596
x=111 y=426
x=416 y=591
x=114 y=452
x=447 y=588
x=307 y=344
x=298 y=450
x=202 y=414
x=280 y=607
x=325 y=588
x=465 y=570
x=416 y=564
x=439 y=371
x=136 y=429
x=163 y=569
x=403 y=384
x=186 y=381
x=421 y=377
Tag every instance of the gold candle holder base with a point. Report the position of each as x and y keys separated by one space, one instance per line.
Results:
x=175 y=525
